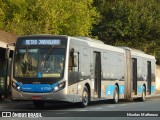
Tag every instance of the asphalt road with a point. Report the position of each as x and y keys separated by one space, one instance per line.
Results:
x=96 y=110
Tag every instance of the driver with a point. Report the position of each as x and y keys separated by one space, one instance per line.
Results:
x=42 y=62
x=59 y=67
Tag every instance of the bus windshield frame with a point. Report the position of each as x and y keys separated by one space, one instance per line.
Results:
x=39 y=61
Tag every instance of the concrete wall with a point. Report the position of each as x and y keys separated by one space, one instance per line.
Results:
x=7 y=37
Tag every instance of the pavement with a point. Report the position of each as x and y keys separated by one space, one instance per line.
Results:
x=96 y=109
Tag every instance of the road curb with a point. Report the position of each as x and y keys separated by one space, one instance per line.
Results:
x=155 y=95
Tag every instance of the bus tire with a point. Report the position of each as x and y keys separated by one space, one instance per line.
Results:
x=85 y=97
x=115 y=96
x=38 y=103
x=143 y=98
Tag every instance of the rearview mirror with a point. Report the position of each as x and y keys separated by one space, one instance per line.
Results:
x=74 y=57
x=75 y=60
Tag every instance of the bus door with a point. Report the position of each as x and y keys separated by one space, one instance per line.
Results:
x=149 y=77
x=134 y=75
x=97 y=74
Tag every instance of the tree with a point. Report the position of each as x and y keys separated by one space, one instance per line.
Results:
x=1 y=13
x=69 y=17
x=132 y=23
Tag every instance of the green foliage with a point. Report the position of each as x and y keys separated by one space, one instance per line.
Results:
x=1 y=13
x=71 y=17
x=132 y=23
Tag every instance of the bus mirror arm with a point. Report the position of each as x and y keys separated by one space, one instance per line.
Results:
x=72 y=52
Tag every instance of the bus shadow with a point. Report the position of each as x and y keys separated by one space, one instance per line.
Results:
x=66 y=106
x=58 y=106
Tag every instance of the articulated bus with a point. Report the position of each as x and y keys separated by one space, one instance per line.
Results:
x=79 y=69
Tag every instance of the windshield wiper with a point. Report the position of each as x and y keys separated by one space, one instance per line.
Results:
x=46 y=56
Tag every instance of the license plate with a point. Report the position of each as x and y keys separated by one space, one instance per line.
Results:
x=36 y=98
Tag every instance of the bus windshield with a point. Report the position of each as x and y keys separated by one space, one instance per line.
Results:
x=39 y=62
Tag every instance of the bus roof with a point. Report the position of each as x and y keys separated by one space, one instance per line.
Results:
x=138 y=53
x=43 y=35
x=95 y=43
x=98 y=44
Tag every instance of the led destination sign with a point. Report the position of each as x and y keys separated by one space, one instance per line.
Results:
x=42 y=42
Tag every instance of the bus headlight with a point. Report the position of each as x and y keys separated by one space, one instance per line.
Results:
x=59 y=87
x=16 y=86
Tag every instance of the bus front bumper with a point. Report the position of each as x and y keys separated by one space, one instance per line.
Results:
x=52 y=96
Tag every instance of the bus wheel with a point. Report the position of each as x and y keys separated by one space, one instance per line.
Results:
x=85 y=97
x=39 y=104
x=143 y=98
x=115 y=96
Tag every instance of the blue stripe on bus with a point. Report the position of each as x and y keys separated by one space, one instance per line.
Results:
x=152 y=89
x=140 y=88
x=39 y=88
x=121 y=89
x=110 y=90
